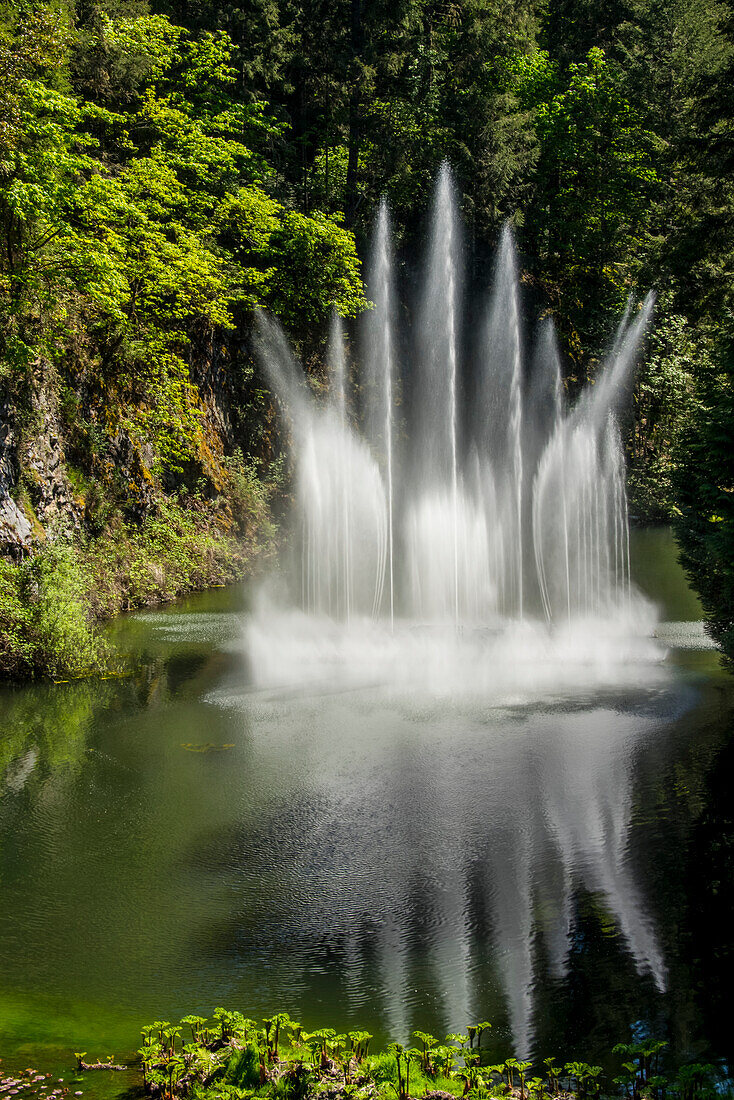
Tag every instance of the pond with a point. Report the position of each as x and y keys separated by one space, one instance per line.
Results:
x=558 y=863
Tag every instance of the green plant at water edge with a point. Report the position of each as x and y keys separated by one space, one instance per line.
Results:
x=697 y=1082
x=553 y=1073
x=235 y=1058
x=403 y=1060
x=360 y=1041
x=196 y=1023
x=537 y=1089
x=522 y=1069
x=428 y=1042
x=587 y=1079
x=46 y=622
x=509 y=1067
x=52 y=604
x=642 y=1068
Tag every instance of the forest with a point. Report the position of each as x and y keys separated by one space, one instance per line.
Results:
x=169 y=167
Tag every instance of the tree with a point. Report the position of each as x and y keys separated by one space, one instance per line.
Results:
x=149 y=225
x=705 y=484
x=664 y=403
x=596 y=180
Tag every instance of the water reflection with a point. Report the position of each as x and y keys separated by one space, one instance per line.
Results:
x=383 y=857
x=459 y=836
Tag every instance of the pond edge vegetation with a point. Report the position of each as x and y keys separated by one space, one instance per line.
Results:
x=232 y=1057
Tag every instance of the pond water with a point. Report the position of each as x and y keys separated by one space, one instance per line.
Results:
x=557 y=862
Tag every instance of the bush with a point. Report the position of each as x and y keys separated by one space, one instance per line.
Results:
x=247 y=496
x=705 y=482
x=51 y=603
x=46 y=623
x=665 y=401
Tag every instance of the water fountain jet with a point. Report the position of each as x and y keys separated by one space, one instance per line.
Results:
x=380 y=375
x=505 y=518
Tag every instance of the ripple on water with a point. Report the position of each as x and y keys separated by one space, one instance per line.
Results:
x=686 y=635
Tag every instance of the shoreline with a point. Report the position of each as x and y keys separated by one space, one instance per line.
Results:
x=55 y=603
x=232 y=1057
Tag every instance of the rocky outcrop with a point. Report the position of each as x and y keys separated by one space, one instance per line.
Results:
x=38 y=452
x=132 y=464
x=33 y=459
x=42 y=458
x=212 y=373
x=15 y=528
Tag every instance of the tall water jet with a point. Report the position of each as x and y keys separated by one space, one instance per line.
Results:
x=523 y=517
x=544 y=398
x=611 y=392
x=437 y=411
x=337 y=368
x=380 y=374
x=580 y=522
x=500 y=402
x=512 y=526
x=340 y=508
x=336 y=362
x=545 y=406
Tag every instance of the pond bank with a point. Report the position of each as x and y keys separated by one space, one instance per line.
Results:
x=53 y=603
x=231 y=1057
x=179 y=838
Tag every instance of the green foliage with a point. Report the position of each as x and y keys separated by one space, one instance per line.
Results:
x=300 y=267
x=315 y=263
x=135 y=216
x=705 y=492
x=51 y=604
x=596 y=181
x=243 y=1069
x=45 y=620
x=248 y=499
x=177 y=549
x=665 y=401
x=220 y=1068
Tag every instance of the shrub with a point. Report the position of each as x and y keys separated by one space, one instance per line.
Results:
x=46 y=624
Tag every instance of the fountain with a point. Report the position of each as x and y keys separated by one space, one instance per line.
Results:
x=455 y=496
x=462 y=541
x=380 y=376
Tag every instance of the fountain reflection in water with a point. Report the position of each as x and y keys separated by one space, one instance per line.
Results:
x=441 y=853
x=463 y=542
x=501 y=511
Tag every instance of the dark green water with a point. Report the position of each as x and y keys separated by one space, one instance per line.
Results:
x=174 y=840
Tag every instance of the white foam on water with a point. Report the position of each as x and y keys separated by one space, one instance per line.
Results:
x=507 y=661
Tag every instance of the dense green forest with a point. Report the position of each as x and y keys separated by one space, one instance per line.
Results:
x=168 y=166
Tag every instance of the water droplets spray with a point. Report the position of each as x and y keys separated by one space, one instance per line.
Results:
x=379 y=360
x=503 y=505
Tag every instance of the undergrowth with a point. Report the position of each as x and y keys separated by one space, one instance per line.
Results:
x=52 y=603
x=46 y=619
x=236 y=1058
